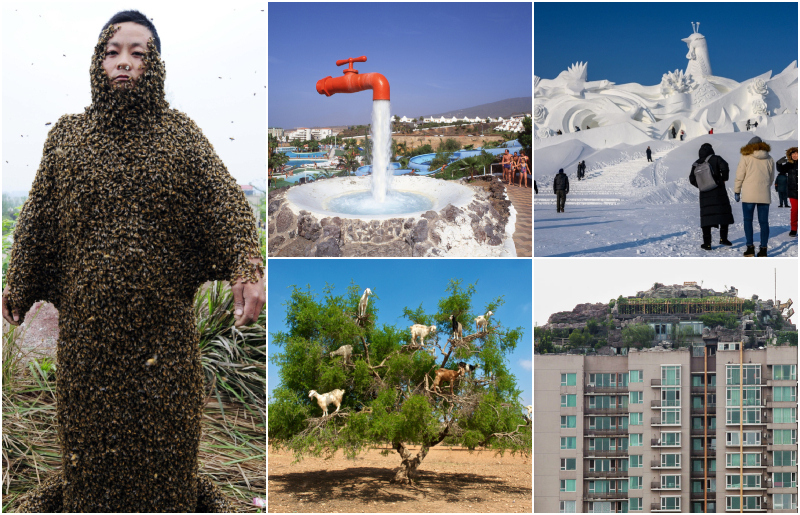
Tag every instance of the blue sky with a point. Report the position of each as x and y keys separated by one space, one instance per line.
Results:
x=436 y=56
x=406 y=283
x=639 y=42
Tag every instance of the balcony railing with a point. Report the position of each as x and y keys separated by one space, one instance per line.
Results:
x=656 y=485
x=657 y=507
x=606 y=453
x=655 y=382
x=700 y=452
x=712 y=496
x=606 y=473
x=605 y=432
x=700 y=473
x=656 y=464
x=656 y=421
x=618 y=389
x=606 y=495
x=712 y=409
x=699 y=431
x=701 y=389
x=621 y=410
x=655 y=443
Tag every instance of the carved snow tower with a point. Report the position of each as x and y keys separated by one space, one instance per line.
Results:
x=699 y=64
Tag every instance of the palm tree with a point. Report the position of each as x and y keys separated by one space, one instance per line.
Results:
x=402 y=148
x=472 y=163
x=349 y=160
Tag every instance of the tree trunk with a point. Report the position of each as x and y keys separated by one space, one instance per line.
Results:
x=408 y=468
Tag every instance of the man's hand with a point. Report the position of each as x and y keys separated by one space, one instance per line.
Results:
x=6 y=312
x=248 y=299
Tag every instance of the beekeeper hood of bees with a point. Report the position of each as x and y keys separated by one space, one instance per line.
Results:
x=130 y=213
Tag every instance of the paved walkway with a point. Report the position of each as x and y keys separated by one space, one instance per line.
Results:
x=522 y=199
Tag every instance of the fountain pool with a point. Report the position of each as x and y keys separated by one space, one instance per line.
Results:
x=351 y=197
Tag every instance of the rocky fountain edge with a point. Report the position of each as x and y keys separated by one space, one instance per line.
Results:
x=478 y=224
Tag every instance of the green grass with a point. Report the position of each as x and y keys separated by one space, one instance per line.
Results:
x=233 y=445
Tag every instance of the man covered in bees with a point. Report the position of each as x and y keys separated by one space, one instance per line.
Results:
x=130 y=212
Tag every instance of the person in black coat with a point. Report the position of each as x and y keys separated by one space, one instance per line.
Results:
x=560 y=188
x=715 y=207
x=788 y=166
x=649 y=154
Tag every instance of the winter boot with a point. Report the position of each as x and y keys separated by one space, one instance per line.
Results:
x=725 y=242
x=762 y=252
x=793 y=234
x=750 y=252
x=705 y=246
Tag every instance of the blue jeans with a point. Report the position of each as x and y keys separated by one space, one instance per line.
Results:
x=763 y=222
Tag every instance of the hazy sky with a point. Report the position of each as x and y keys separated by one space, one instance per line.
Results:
x=560 y=284
x=436 y=56
x=47 y=48
x=399 y=283
x=640 y=41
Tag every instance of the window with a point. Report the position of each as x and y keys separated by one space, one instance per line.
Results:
x=599 y=465
x=784 y=437
x=568 y=421
x=784 y=501
x=671 y=482
x=671 y=416
x=784 y=458
x=599 y=487
x=751 y=396
x=635 y=419
x=671 y=503
x=784 y=415
x=671 y=397
x=749 y=415
x=670 y=375
x=603 y=380
x=636 y=376
x=567 y=442
x=752 y=374
x=635 y=440
x=635 y=483
x=635 y=504
x=601 y=402
x=751 y=502
x=567 y=463
x=566 y=506
x=670 y=460
x=785 y=394
x=671 y=439
x=784 y=480
x=751 y=459
x=568 y=379
x=784 y=372
x=697 y=444
x=635 y=397
x=568 y=485
x=568 y=401
x=750 y=481
x=636 y=461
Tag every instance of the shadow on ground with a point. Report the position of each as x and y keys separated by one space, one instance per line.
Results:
x=368 y=484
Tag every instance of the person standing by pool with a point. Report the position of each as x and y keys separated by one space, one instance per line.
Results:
x=514 y=167
x=506 y=162
x=523 y=170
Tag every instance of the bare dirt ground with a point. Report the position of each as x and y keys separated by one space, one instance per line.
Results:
x=451 y=480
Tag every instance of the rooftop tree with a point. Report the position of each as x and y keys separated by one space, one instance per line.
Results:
x=388 y=382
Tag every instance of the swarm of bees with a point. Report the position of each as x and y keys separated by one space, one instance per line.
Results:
x=130 y=212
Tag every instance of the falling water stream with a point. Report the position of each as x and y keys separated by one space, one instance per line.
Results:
x=381 y=150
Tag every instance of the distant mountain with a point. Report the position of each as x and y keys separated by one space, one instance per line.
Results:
x=504 y=108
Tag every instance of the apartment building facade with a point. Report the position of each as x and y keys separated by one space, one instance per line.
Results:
x=711 y=428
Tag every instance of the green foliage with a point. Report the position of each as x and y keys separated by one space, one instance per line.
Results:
x=749 y=305
x=712 y=320
x=385 y=395
x=787 y=338
x=611 y=303
x=622 y=301
x=578 y=338
x=592 y=326
x=441 y=158
x=638 y=335
x=449 y=145
x=525 y=137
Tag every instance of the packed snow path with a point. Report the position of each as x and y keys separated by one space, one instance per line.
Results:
x=607 y=184
x=631 y=207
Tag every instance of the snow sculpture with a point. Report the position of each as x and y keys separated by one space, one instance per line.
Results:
x=699 y=63
x=676 y=82
x=693 y=100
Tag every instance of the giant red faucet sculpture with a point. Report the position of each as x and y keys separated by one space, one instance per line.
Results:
x=352 y=82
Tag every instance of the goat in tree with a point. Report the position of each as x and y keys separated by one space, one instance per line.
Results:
x=362 y=304
x=458 y=331
x=444 y=374
x=332 y=397
x=419 y=331
x=345 y=351
x=482 y=321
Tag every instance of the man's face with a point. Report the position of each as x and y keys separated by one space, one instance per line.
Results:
x=125 y=53
x=794 y=156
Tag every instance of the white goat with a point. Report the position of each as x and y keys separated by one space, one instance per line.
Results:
x=332 y=397
x=482 y=321
x=345 y=351
x=362 y=304
x=530 y=411
x=458 y=331
x=421 y=331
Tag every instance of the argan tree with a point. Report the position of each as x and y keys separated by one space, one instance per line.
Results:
x=388 y=382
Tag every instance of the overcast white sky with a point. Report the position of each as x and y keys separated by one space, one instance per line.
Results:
x=47 y=47
x=559 y=284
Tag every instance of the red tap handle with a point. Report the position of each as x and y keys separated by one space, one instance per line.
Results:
x=362 y=59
